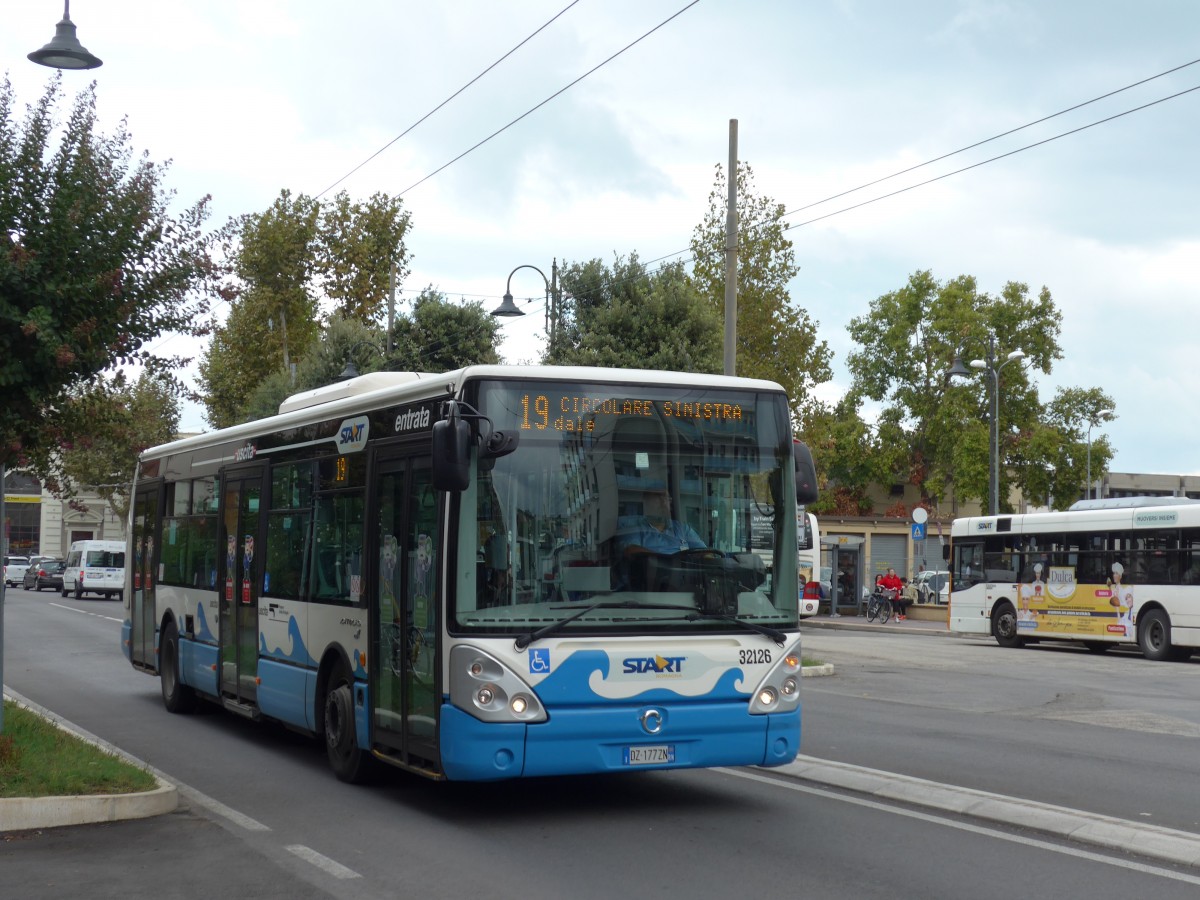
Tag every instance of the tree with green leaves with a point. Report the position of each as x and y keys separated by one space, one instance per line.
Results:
x=630 y=317
x=933 y=433
x=93 y=266
x=776 y=338
x=437 y=336
x=360 y=245
x=287 y=261
x=110 y=422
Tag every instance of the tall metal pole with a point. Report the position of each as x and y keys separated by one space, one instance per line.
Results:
x=391 y=323
x=1089 y=463
x=731 y=224
x=995 y=433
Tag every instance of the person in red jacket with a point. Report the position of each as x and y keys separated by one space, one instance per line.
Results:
x=891 y=582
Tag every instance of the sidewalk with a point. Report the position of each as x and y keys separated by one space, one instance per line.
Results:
x=936 y=627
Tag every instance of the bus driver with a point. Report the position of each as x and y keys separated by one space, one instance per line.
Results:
x=655 y=531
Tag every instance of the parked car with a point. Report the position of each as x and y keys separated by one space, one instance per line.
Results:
x=45 y=573
x=931 y=585
x=14 y=569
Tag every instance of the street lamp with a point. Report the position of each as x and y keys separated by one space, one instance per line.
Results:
x=64 y=51
x=1102 y=415
x=989 y=364
x=351 y=370
x=508 y=308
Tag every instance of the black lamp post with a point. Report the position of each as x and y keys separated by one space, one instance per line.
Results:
x=508 y=308
x=989 y=365
x=65 y=51
x=351 y=370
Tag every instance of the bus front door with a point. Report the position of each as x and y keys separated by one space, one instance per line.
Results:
x=140 y=582
x=405 y=610
x=239 y=563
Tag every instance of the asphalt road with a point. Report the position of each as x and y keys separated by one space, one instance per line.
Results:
x=263 y=817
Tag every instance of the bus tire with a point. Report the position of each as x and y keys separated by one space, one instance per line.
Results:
x=346 y=758
x=1004 y=626
x=177 y=697
x=1154 y=636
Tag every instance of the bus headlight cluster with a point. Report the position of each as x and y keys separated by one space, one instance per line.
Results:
x=489 y=690
x=779 y=691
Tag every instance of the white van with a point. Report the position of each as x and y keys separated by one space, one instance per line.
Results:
x=95 y=567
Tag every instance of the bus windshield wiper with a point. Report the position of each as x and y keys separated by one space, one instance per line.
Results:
x=526 y=639
x=777 y=636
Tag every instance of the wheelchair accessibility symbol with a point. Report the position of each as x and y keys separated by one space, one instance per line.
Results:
x=539 y=661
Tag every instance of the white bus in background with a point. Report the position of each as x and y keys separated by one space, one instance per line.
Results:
x=808 y=534
x=1105 y=572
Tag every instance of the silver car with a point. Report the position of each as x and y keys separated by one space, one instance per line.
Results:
x=14 y=569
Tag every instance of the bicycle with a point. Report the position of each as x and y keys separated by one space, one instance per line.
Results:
x=880 y=605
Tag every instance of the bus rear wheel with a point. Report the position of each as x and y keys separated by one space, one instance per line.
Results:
x=1154 y=638
x=1004 y=626
x=346 y=758
x=177 y=697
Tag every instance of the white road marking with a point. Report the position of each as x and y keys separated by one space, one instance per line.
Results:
x=84 y=612
x=322 y=862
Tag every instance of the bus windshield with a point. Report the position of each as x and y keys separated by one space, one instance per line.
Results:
x=676 y=505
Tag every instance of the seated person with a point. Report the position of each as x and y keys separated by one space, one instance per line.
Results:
x=656 y=531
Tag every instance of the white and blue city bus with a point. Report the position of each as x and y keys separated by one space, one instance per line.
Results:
x=436 y=571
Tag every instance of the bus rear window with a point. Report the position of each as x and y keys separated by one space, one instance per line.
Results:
x=106 y=559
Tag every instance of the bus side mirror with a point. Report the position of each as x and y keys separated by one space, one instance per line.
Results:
x=451 y=454
x=946 y=552
x=806 y=473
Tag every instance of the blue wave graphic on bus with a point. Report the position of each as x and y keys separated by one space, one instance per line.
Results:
x=298 y=652
x=203 y=633
x=570 y=683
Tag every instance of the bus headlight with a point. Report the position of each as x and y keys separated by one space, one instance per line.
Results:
x=779 y=691
x=488 y=689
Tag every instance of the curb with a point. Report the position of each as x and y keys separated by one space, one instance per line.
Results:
x=817 y=671
x=1153 y=841
x=813 y=622
x=24 y=813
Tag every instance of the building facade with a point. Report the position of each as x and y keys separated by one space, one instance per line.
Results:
x=36 y=522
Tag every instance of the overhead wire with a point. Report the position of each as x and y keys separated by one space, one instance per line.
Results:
x=557 y=93
x=1144 y=106
x=980 y=143
x=534 y=34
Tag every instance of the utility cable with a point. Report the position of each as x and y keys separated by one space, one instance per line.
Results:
x=561 y=90
x=992 y=159
x=447 y=100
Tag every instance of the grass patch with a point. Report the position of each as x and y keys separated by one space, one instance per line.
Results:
x=39 y=759
x=806 y=661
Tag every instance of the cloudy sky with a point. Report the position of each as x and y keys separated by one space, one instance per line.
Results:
x=247 y=98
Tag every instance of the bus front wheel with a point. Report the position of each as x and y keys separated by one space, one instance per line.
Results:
x=1004 y=626
x=347 y=759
